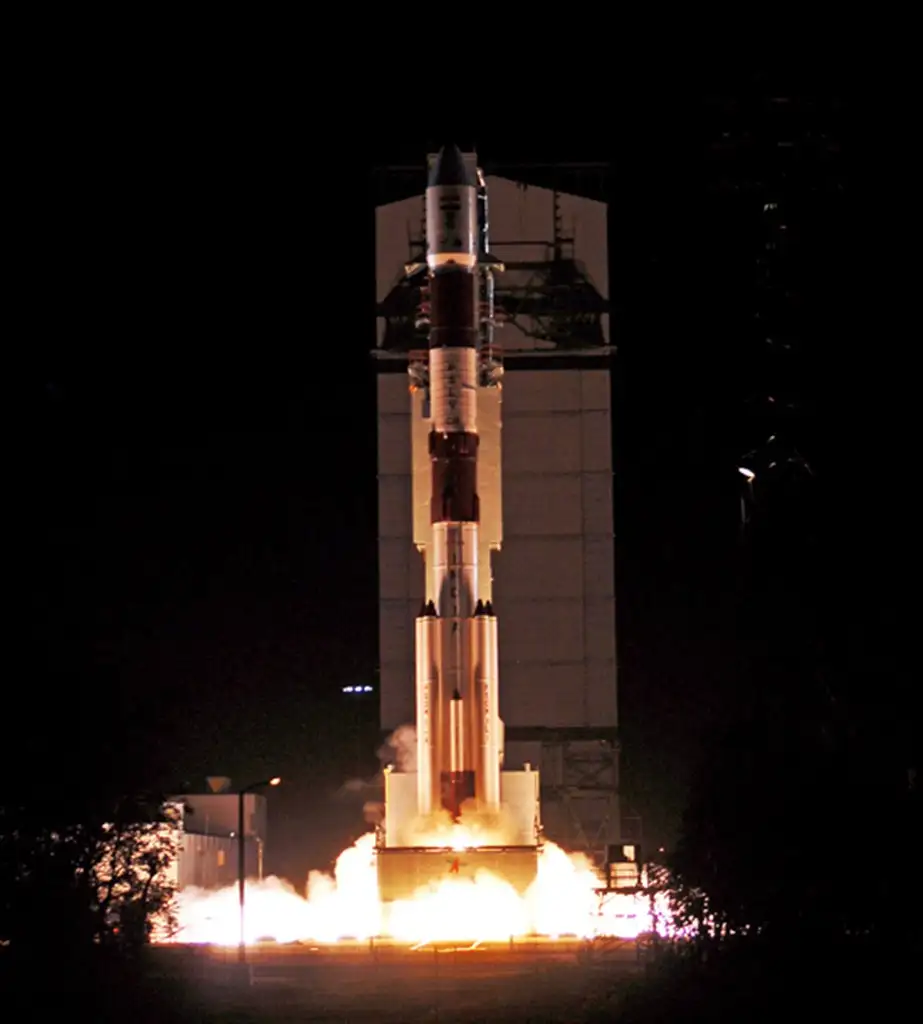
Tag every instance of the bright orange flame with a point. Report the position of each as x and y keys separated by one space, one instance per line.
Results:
x=472 y=831
x=562 y=901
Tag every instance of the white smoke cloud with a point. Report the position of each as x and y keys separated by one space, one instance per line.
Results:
x=373 y=812
x=479 y=828
x=400 y=749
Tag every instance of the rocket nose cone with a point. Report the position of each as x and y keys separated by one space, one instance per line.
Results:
x=449 y=168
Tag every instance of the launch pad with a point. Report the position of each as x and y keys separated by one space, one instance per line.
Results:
x=507 y=844
x=404 y=871
x=511 y=981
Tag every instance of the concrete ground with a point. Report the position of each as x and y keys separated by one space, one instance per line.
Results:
x=528 y=981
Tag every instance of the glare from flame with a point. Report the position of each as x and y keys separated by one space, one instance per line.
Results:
x=469 y=832
x=562 y=901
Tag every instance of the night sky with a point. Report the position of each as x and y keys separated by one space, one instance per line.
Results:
x=199 y=483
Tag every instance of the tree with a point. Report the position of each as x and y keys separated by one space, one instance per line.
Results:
x=799 y=828
x=74 y=881
x=133 y=872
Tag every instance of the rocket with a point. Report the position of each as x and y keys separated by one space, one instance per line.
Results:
x=458 y=725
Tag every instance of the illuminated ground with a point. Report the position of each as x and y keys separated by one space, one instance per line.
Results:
x=530 y=980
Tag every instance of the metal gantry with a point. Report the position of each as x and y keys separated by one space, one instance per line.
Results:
x=551 y=300
x=580 y=784
x=778 y=153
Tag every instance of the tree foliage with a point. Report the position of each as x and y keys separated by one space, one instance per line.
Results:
x=103 y=877
x=800 y=828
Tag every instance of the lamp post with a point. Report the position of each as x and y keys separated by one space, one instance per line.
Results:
x=241 y=856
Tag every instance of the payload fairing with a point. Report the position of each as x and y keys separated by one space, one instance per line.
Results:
x=456 y=461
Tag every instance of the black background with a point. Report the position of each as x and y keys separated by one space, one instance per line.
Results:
x=195 y=509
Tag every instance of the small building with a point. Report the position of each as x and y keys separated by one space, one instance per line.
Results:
x=209 y=842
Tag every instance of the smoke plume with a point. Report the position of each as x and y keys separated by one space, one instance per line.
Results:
x=400 y=749
x=477 y=829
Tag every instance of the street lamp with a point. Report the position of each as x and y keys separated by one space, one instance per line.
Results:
x=241 y=856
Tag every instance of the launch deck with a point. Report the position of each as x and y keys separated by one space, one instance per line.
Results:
x=403 y=871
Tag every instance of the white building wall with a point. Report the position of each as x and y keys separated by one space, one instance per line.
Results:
x=554 y=581
x=400 y=566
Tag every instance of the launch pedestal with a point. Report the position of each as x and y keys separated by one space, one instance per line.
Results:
x=404 y=871
x=507 y=845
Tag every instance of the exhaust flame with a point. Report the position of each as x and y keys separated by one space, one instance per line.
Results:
x=561 y=902
x=471 y=830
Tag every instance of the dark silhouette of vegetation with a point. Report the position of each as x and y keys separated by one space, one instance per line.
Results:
x=775 y=842
x=83 y=885
x=795 y=876
x=102 y=879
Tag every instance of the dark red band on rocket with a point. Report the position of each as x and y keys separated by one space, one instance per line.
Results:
x=455 y=478
x=453 y=310
x=457 y=787
x=453 y=446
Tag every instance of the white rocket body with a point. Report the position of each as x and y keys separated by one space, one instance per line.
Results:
x=458 y=728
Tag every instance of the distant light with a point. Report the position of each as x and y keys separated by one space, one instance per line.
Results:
x=347 y=689
x=747 y=474
x=366 y=689
x=275 y=780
